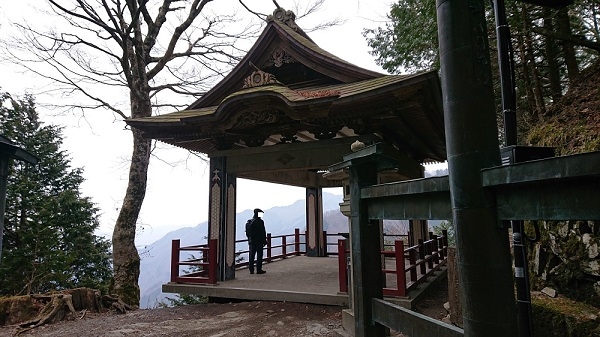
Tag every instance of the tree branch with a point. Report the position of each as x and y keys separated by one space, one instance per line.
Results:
x=580 y=41
x=195 y=9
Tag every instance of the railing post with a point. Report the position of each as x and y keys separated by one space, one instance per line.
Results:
x=429 y=245
x=325 y=243
x=422 y=255
x=445 y=233
x=268 y=259
x=412 y=259
x=342 y=266
x=212 y=261
x=436 y=252
x=297 y=241
x=400 y=267
x=440 y=243
x=175 y=245
x=284 y=246
x=306 y=241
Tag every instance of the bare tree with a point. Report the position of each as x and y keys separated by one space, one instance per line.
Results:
x=152 y=51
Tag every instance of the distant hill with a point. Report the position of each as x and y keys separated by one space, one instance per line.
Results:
x=156 y=257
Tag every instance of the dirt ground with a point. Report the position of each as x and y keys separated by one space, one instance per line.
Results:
x=244 y=319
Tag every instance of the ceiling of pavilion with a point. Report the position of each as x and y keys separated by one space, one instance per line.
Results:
x=287 y=90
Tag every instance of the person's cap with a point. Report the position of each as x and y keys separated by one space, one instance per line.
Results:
x=258 y=210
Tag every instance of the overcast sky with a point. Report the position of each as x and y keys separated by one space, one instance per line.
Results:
x=177 y=192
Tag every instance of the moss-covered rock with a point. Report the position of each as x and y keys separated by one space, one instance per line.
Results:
x=566 y=259
x=562 y=317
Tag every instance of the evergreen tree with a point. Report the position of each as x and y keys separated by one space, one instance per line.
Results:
x=409 y=41
x=550 y=47
x=49 y=240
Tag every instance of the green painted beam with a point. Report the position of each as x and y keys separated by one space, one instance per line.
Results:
x=564 y=199
x=582 y=165
x=419 y=199
x=562 y=188
x=411 y=323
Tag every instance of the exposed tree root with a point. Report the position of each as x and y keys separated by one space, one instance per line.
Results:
x=53 y=311
x=55 y=307
x=113 y=302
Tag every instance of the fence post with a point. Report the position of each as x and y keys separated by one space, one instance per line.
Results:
x=175 y=245
x=440 y=243
x=400 y=267
x=436 y=252
x=412 y=259
x=325 y=243
x=429 y=245
x=212 y=261
x=306 y=242
x=422 y=254
x=283 y=246
x=268 y=259
x=342 y=266
x=297 y=241
x=445 y=233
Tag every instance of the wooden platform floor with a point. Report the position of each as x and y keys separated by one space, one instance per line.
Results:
x=295 y=279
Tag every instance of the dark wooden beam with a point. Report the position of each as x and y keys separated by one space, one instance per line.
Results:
x=308 y=156
x=301 y=178
x=288 y=158
x=301 y=155
x=411 y=323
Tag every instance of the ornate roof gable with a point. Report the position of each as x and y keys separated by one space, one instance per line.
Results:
x=283 y=42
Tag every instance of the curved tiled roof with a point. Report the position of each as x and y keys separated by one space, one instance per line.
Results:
x=318 y=96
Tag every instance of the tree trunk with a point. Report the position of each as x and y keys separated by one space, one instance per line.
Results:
x=540 y=107
x=526 y=106
x=564 y=27
x=126 y=261
x=552 y=58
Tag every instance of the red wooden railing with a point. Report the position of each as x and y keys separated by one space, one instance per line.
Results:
x=343 y=254
x=204 y=268
x=284 y=243
x=419 y=261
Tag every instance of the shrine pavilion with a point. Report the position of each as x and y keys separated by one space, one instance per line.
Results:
x=290 y=110
x=291 y=113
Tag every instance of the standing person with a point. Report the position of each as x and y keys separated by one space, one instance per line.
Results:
x=257 y=239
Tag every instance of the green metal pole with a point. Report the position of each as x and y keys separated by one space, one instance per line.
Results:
x=483 y=251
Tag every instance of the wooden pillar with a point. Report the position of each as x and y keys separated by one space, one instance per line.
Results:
x=314 y=222
x=367 y=279
x=221 y=217
x=484 y=261
x=418 y=231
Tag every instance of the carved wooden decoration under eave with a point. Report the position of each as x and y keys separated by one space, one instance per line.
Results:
x=259 y=78
x=278 y=57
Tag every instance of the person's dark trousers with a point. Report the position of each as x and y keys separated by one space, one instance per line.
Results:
x=258 y=251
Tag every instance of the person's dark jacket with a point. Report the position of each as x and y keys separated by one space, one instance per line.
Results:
x=259 y=233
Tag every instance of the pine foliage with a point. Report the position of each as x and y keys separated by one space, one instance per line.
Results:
x=49 y=241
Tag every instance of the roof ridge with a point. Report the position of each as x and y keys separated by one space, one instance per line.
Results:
x=288 y=18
